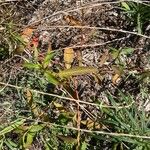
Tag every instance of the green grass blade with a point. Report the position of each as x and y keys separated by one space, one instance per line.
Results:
x=12 y=126
x=77 y=71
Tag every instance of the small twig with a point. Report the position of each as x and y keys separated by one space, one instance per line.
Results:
x=96 y=44
x=91 y=116
x=67 y=98
x=80 y=8
x=78 y=114
x=90 y=45
x=102 y=28
x=94 y=132
x=106 y=133
x=8 y=1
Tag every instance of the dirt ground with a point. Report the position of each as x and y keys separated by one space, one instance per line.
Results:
x=92 y=29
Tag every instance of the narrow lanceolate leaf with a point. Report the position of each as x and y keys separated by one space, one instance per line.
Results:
x=29 y=136
x=12 y=145
x=67 y=139
x=36 y=128
x=127 y=51
x=114 y=53
x=47 y=59
x=51 y=78
x=27 y=140
x=12 y=126
x=125 y=5
x=77 y=71
x=32 y=66
x=31 y=103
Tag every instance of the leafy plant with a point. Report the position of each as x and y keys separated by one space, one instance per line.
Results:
x=29 y=135
x=36 y=112
x=57 y=78
x=128 y=120
x=138 y=13
x=12 y=126
x=11 y=41
x=7 y=130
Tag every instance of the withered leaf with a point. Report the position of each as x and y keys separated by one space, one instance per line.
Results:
x=26 y=34
x=68 y=57
x=79 y=57
x=115 y=78
x=72 y=21
x=104 y=58
x=118 y=72
x=90 y=124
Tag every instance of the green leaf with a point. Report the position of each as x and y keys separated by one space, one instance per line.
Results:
x=133 y=120
x=127 y=51
x=77 y=71
x=12 y=126
x=47 y=145
x=84 y=146
x=139 y=24
x=1 y=143
x=28 y=139
x=30 y=134
x=36 y=128
x=36 y=53
x=11 y=144
x=114 y=53
x=145 y=74
x=130 y=140
x=67 y=139
x=47 y=59
x=32 y=66
x=51 y=78
x=125 y=5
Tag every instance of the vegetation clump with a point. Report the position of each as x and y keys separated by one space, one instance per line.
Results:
x=74 y=75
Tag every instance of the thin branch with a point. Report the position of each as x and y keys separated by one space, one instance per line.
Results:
x=101 y=28
x=80 y=8
x=93 y=132
x=91 y=45
x=9 y=1
x=78 y=113
x=91 y=116
x=105 y=133
x=67 y=98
